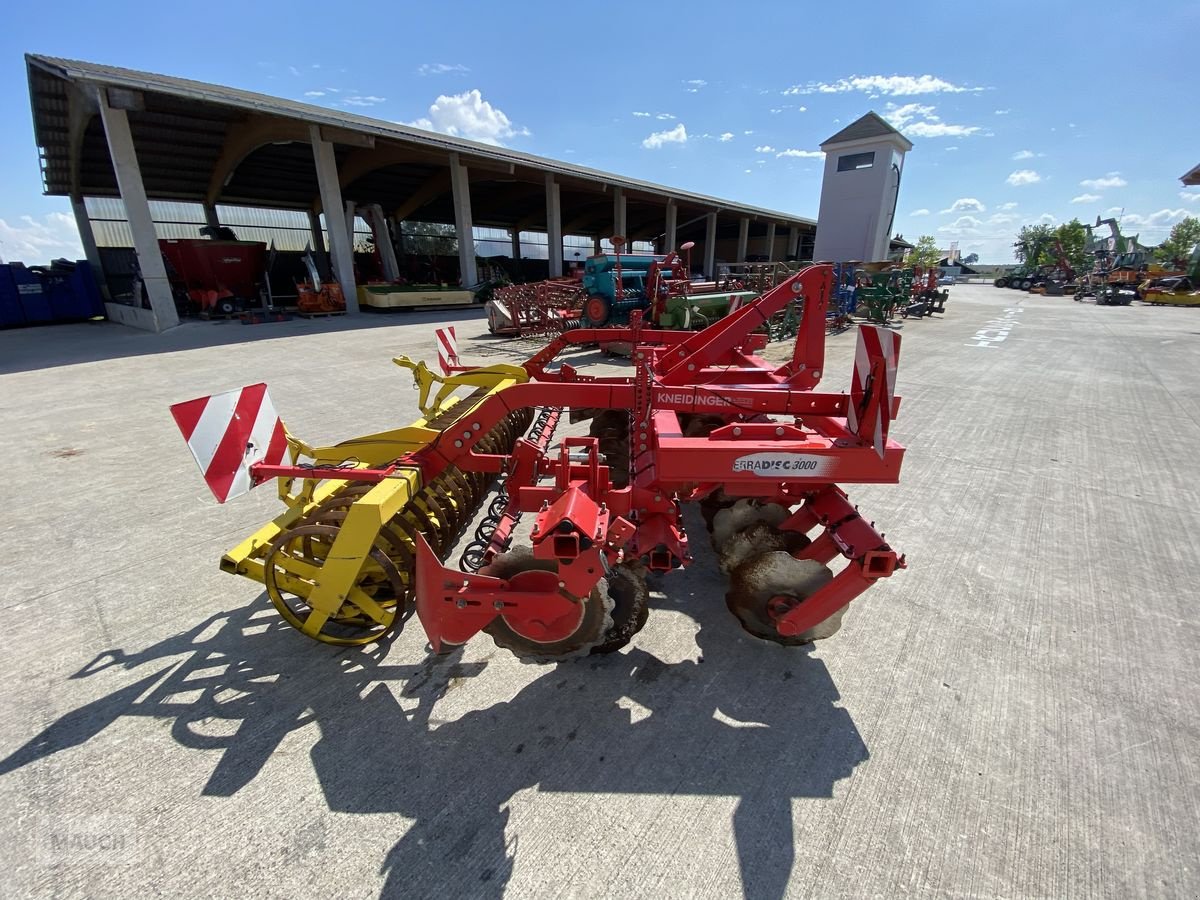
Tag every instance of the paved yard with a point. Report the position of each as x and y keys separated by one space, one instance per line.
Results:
x=1013 y=716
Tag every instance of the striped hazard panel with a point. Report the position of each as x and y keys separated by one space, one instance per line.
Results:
x=228 y=433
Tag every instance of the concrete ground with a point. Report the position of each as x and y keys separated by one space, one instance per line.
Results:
x=1013 y=716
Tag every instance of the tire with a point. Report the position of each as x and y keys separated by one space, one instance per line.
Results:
x=1026 y=284
x=597 y=310
x=226 y=306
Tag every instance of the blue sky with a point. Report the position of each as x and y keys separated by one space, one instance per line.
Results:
x=1019 y=112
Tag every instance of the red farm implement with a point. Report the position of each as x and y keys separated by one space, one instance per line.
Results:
x=701 y=418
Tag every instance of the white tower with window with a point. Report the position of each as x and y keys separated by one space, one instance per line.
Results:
x=863 y=164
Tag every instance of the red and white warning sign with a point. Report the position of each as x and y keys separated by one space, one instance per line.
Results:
x=447 y=349
x=228 y=433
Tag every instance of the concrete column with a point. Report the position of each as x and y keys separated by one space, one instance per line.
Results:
x=619 y=207
x=669 y=239
x=137 y=210
x=515 y=236
x=770 y=242
x=710 y=246
x=88 y=238
x=318 y=241
x=743 y=239
x=793 y=247
x=210 y=215
x=351 y=212
x=554 y=236
x=461 y=188
x=596 y=245
x=383 y=240
x=341 y=253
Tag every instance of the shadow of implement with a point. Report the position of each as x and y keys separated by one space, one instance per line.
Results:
x=746 y=719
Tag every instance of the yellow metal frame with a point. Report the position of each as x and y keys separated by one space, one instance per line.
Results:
x=330 y=590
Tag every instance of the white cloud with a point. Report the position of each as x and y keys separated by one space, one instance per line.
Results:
x=747 y=171
x=468 y=115
x=694 y=84
x=965 y=204
x=1114 y=211
x=1009 y=205
x=1003 y=112
x=1024 y=154
x=748 y=132
x=1161 y=219
x=776 y=111
x=919 y=212
x=642 y=115
x=801 y=154
x=294 y=71
x=963 y=224
x=902 y=115
x=1112 y=180
x=1023 y=176
x=764 y=148
x=441 y=69
x=948 y=149
x=1001 y=219
x=1046 y=219
x=664 y=117
x=919 y=120
x=1086 y=198
x=887 y=85
x=36 y=242
x=726 y=137
x=314 y=93
x=940 y=129
x=363 y=101
x=1188 y=197
x=677 y=135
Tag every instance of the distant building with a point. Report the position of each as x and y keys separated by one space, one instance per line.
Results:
x=860 y=190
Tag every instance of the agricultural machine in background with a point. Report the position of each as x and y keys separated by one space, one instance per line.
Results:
x=1119 y=267
x=1180 y=288
x=369 y=522
x=615 y=285
x=221 y=277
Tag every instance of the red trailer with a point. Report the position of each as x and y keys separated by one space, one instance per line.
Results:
x=215 y=276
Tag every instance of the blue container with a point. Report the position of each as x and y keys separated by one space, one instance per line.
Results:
x=34 y=303
x=10 y=301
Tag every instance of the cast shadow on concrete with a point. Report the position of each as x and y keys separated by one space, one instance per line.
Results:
x=746 y=720
x=50 y=346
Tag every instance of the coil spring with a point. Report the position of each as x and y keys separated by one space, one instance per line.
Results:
x=473 y=555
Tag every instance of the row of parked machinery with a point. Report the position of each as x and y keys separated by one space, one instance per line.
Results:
x=1122 y=271
x=612 y=286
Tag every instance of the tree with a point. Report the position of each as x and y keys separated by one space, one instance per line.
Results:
x=1073 y=237
x=926 y=253
x=1031 y=244
x=1178 y=245
x=970 y=259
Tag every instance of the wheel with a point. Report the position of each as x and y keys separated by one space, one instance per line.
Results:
x=999 y=282
x=226 y=306
x=597 y=310
x=1026 y=284
x=292 y=570
x=631 y=606
x=772 y=583
x=572 y=634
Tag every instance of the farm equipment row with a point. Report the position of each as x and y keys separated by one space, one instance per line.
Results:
x=614 y=286
x=370 y=522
